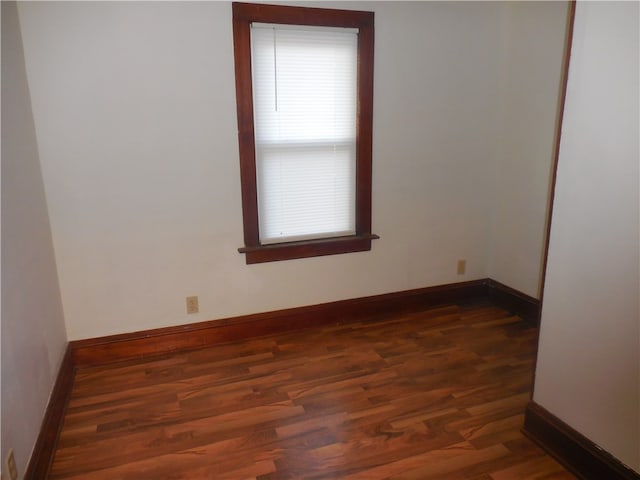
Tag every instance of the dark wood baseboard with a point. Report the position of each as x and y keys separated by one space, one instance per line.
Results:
x=196 y=335
x=572 y=449
x=45 y=447
x=151 y=343
x=514 y=301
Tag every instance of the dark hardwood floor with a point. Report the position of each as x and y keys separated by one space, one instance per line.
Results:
x=438 y=394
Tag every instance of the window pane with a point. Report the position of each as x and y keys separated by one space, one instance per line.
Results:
x=306 y=192
x=305 y=85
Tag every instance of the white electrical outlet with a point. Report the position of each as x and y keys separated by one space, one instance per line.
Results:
x=192 y=305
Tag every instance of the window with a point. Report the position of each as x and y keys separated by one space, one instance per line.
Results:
x=304 y=87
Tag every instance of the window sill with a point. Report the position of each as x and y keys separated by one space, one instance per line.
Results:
x=307 y=248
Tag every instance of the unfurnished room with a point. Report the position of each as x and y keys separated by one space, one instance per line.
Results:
x=320 y=240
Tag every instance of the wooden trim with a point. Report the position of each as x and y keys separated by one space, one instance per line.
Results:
x=243 y=15
x=47 y=441
x=364 y=125
x=554 y=167
x=307 y=248
x=328 y=17
x=246 y=142
x=558 y=137
x=197 y=335
x=572 y=449
x=513 y=300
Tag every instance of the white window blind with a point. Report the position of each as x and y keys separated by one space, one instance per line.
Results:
x=304 y=97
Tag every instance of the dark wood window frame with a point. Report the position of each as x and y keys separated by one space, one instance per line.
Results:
x=243 y=15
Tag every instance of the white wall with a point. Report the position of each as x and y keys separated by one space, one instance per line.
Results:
x=33 y=331
x=588 y=371
x=134 y=105
x=534 y=40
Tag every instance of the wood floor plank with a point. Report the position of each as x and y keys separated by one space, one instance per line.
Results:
x=438 y=394
x=535 y=469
